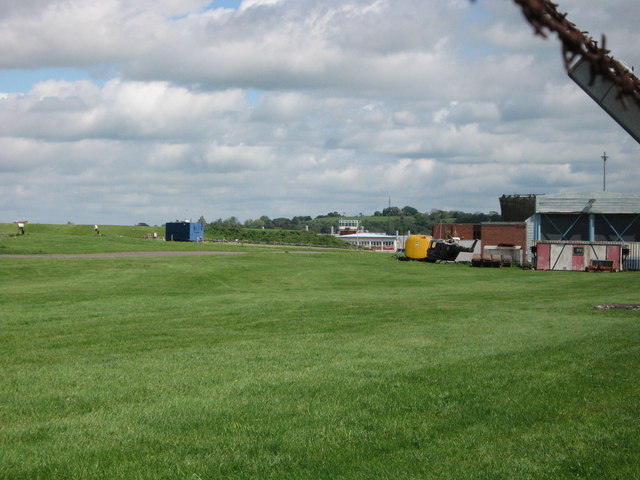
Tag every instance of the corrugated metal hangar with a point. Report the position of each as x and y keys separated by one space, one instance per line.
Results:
x=592 y=217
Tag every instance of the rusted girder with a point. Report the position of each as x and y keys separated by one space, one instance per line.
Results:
x=544 y=17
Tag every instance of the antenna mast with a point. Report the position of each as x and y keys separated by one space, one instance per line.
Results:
x=604 y=171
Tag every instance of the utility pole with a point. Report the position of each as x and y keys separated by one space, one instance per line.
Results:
x=604 y=171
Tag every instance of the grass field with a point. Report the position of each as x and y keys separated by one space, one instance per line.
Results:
x=334 y=365
x=40 y=239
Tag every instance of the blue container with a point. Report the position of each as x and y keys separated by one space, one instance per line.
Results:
x=184 y=232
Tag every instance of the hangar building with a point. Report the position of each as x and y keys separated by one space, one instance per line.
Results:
x=592 y=218
x=595 y=219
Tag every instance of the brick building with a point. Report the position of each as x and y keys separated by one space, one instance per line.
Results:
x=464 y=231
x=510 y=234
x=504 y=238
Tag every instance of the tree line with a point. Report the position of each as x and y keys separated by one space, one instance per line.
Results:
x=389 y=220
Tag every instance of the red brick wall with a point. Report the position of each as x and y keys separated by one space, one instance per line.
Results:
x=462 y=230
x=504 y=234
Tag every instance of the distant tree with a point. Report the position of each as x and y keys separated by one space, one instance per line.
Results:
x=282 y=223
x=410 y=211
x=391 y=212
x=422 y=223
x=267 y=221
x=437 y=215
x=301 y=219
x=202 y=220
x=232 y=222
x=330 y=214
x=377 y=213
x=257 y=223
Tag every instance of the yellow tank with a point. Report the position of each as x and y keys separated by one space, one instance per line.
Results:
x=416 y=246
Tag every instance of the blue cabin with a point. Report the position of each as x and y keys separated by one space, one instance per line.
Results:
x=184 y=232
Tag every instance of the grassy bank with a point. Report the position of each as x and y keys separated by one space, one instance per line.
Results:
x=46 y=238
x=337 y=365
x=274 y=237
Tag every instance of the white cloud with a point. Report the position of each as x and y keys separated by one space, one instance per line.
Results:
x=436 y=104
x=60 y=110
x=257 y=3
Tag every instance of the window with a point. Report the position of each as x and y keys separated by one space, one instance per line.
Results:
x=578 y=250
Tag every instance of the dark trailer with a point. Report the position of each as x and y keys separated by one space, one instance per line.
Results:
x=184 y=232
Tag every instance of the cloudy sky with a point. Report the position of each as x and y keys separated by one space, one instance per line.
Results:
x=127 y=111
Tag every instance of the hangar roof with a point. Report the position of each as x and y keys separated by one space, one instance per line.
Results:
x=588 y=202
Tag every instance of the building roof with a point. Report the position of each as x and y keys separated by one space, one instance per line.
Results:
x=588 y=202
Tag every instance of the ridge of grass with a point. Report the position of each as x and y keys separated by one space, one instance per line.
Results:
x=62 y=239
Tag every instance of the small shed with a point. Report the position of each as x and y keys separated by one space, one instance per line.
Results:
x=580 y=256
x=184 y=232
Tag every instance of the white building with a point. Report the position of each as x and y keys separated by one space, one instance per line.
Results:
x=375 y=241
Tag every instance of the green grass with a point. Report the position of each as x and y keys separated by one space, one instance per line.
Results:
x=45 y=238
x=63 y=239
x=339 y=365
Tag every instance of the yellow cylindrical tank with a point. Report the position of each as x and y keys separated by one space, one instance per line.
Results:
x=416 y=246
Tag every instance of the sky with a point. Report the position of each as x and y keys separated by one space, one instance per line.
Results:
x=128 y=111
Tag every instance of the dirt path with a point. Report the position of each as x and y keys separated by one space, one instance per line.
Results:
x=120 y=254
